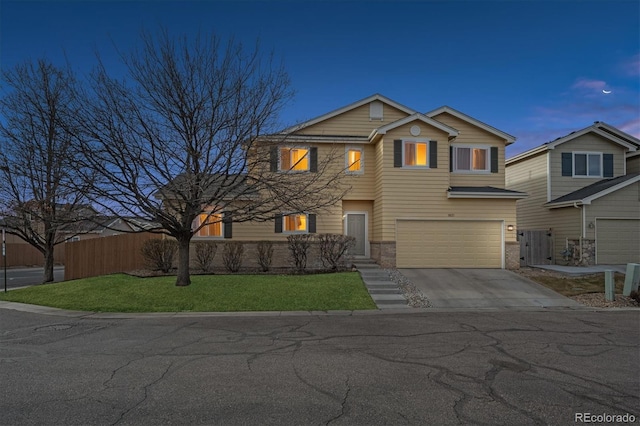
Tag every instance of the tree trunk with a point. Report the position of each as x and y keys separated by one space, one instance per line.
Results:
x=183 y=279
x=48 y=265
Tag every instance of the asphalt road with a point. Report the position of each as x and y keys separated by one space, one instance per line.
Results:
x=434 y=368
x=28 y=276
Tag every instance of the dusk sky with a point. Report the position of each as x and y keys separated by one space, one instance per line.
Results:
x=534 y=69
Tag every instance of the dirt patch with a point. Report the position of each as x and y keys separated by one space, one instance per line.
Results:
x=585 y=289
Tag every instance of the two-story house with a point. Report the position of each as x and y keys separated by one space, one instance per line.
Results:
x=584 y=188
x=427 y=189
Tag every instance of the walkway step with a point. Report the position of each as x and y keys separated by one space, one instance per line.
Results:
x=394 y=306
x=381 y=284
x=373 y=273
x=384 y=291
x=368 y=266
x=385 y=299
x=364 y=261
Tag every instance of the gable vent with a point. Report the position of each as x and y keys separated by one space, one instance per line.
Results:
x=375 y=111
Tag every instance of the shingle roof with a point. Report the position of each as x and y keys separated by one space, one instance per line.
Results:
x=483 y=192
x=593 y=189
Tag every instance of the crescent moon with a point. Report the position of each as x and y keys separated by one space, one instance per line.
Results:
x=606 y=92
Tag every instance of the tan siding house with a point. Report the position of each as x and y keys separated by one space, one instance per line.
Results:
x=426 y=190
x=583 y=189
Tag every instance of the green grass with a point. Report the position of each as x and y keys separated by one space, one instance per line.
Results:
x=207 y=293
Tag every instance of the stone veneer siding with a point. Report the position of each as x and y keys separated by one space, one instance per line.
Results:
x=384 y=253
x=512 y=255
x=582 y=252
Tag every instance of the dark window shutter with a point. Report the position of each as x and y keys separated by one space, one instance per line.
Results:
x=274 y=158
x=313 y=159
x=433 y=154
x=494 y=159
x=567 y=164
x=397 y=153
x=450 y=158
x=227 y=223
x=312 y=223
x=607 y=165
x=278 y=224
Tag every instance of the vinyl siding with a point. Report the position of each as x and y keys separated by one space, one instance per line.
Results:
x=565 y=223
x=590 y=142
x=530 y=177
x=624 y=203
x=363 y=185
x=326 y=222
x=472 y=135
x=633 y=164
x=376 y=231
x=353 y=123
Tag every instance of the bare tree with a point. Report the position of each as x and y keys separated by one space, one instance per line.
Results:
x=38 y=193
x=183 y=134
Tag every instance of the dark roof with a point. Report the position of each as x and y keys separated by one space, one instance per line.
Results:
x=593 y=189
x=484 y=189
x=228 y=186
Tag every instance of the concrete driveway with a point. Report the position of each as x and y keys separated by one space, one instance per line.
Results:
x=483 y=288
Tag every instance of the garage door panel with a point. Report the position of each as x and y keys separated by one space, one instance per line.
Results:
x=617 y=241
x=449 y=244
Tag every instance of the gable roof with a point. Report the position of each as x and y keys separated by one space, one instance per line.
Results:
x=413 y=117
x=462 y=116
x=605 y=130
x=369 y=99
x=594 y=191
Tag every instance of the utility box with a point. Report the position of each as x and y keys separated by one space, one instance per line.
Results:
x=631 y=279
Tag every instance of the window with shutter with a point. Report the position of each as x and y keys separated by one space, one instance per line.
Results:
x=472 y=159
x=587 y=164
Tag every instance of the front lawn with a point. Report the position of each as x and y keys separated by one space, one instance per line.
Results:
x=207 y=293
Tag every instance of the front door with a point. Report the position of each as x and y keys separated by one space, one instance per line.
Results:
x=356 y=227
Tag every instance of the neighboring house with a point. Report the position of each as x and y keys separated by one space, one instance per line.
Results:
x=99 y=226
x=585 y=189
x=427 y=189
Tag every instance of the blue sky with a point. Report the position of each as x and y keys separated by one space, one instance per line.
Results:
x=534 y=69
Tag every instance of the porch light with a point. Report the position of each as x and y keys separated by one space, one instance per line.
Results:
x=510 y=227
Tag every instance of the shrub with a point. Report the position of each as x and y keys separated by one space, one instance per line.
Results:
x=265 y=255
x=205 y=252
x=232 y=256
x=159 y=254
x=333 y=249
x=299 y=246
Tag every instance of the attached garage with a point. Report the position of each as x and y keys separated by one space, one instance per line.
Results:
x=449 y=244
x=617 y=241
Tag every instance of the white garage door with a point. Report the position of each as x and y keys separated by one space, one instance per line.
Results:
x=617 y=241
x=449 y=244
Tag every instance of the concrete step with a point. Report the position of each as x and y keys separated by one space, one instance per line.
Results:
x=364 y=261
x=375 y=283
x=360 y=266
x=384 y=291
x=373 y=273
x=381 y=286
x=394 y=306
x=386 y=299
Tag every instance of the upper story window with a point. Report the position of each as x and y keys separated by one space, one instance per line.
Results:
x=354 y=160
x=415 y=154
x=294 y=159
x=588 y=164
x=211 y=224
x=471 y=159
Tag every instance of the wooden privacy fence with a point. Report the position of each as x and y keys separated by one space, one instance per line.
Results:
x=19 y=254
x=536 y=247
x=108 y=255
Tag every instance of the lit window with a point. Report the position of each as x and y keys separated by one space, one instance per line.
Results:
x=294 y=223
x=415 y=154
x=354 y=160
x=470 y=159
x=296 y=159
x=211 y=225
x=587 y=164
